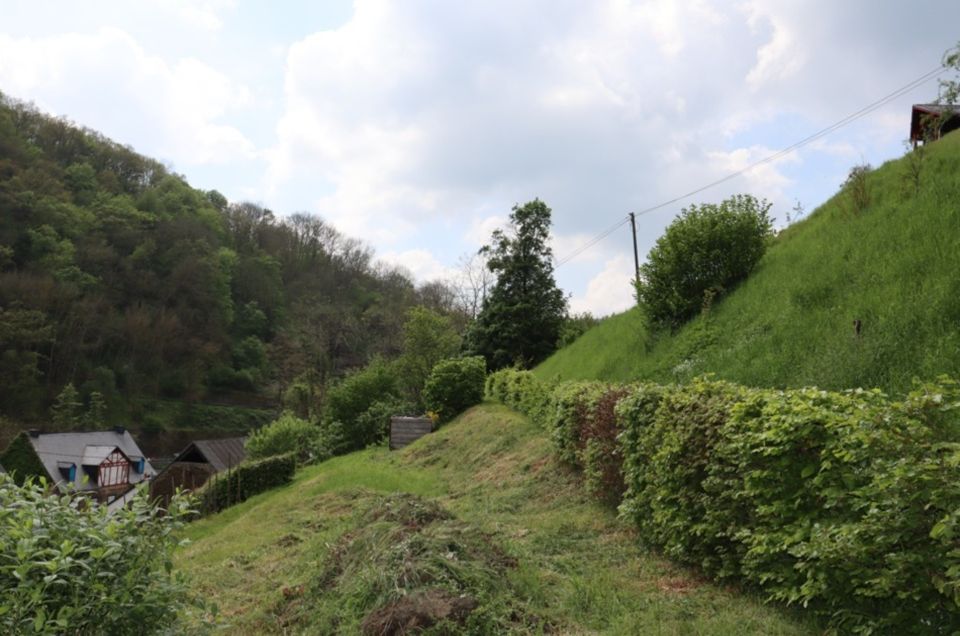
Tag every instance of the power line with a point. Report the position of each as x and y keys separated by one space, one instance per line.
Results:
x=596 y=239
x=869 y=108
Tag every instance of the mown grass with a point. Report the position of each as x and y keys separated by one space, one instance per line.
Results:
x=893 y=266
x=576 y=568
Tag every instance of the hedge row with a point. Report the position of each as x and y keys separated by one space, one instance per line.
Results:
x=245 y=480
x=845 y=502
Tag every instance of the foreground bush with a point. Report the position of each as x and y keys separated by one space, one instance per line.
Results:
x=66 y=567
x=289 y=434
x=847 y=503
x=455 y=385
x=245 y=480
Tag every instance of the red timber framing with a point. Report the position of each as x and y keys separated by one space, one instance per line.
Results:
x=114 y=470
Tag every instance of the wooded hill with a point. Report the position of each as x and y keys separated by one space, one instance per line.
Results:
x=118 y=277
x=885 y=251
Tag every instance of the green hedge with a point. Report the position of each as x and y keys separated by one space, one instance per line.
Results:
x=523 y=391
x=844 y=502
x=245 y=480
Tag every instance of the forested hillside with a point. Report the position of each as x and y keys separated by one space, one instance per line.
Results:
x=863 y=293
x=119 y=278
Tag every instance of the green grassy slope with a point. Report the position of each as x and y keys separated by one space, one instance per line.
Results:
x=895 y=266
x=514 y=530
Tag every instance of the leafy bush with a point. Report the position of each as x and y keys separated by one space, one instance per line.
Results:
x=67 y=567
x=352 y=397
x=373 y=425
x=245 y=480
x=454 y=385
x=705 y=251
x=288 y=434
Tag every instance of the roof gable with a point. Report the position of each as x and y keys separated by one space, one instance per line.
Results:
x=221 y=454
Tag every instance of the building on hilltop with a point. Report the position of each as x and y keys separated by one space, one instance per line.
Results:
x=930 y=122
x=195 y=464
x=105 y=465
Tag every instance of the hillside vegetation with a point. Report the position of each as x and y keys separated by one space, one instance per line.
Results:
x=119 y=279
x=890 y=260
x=473 y=529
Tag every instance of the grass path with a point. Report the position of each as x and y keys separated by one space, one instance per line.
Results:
x=579 y=570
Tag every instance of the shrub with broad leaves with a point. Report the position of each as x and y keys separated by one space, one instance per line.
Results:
x=69 y=567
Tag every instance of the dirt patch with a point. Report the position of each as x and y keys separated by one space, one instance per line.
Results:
x=288 y=540
x=418 y=612
x=678 y=584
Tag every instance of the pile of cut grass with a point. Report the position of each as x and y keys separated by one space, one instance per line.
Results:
x=892 y=266
x=492 y=537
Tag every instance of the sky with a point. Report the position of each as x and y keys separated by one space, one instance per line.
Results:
x=417 y=125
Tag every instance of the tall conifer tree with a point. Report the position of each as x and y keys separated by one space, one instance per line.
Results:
x=521 y=317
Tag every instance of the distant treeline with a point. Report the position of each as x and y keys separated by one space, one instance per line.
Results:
x=118 y=277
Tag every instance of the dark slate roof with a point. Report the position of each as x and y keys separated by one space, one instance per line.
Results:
x=220 y=453
x=938 y=108
x=58 y=451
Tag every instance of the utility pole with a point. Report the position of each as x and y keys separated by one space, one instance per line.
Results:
x=636 y=259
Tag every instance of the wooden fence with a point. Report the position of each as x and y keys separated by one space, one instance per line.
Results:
x=405 y=430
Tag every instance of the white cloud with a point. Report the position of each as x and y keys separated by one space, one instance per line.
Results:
x=572 y=248
x=202 y=14
x=107 y=81
x=764 y=178
x=421 y=264
x=610 y=291
x=482 y=229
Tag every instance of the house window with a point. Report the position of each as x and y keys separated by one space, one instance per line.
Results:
x=114 y=470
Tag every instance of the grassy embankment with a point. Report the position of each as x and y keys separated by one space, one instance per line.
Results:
x=494 y=519
x=893 y=266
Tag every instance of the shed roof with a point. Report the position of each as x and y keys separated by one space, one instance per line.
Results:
x=947 y=113
x=57 y=450
x=221 y=454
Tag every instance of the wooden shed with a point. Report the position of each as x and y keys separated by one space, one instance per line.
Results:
x=930 y=122
x=195 y=464
x=406 y=430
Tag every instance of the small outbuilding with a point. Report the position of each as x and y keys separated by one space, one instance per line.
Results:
x=196 y=463
x=105 y=465
x=930 y=122
x=406 y=430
